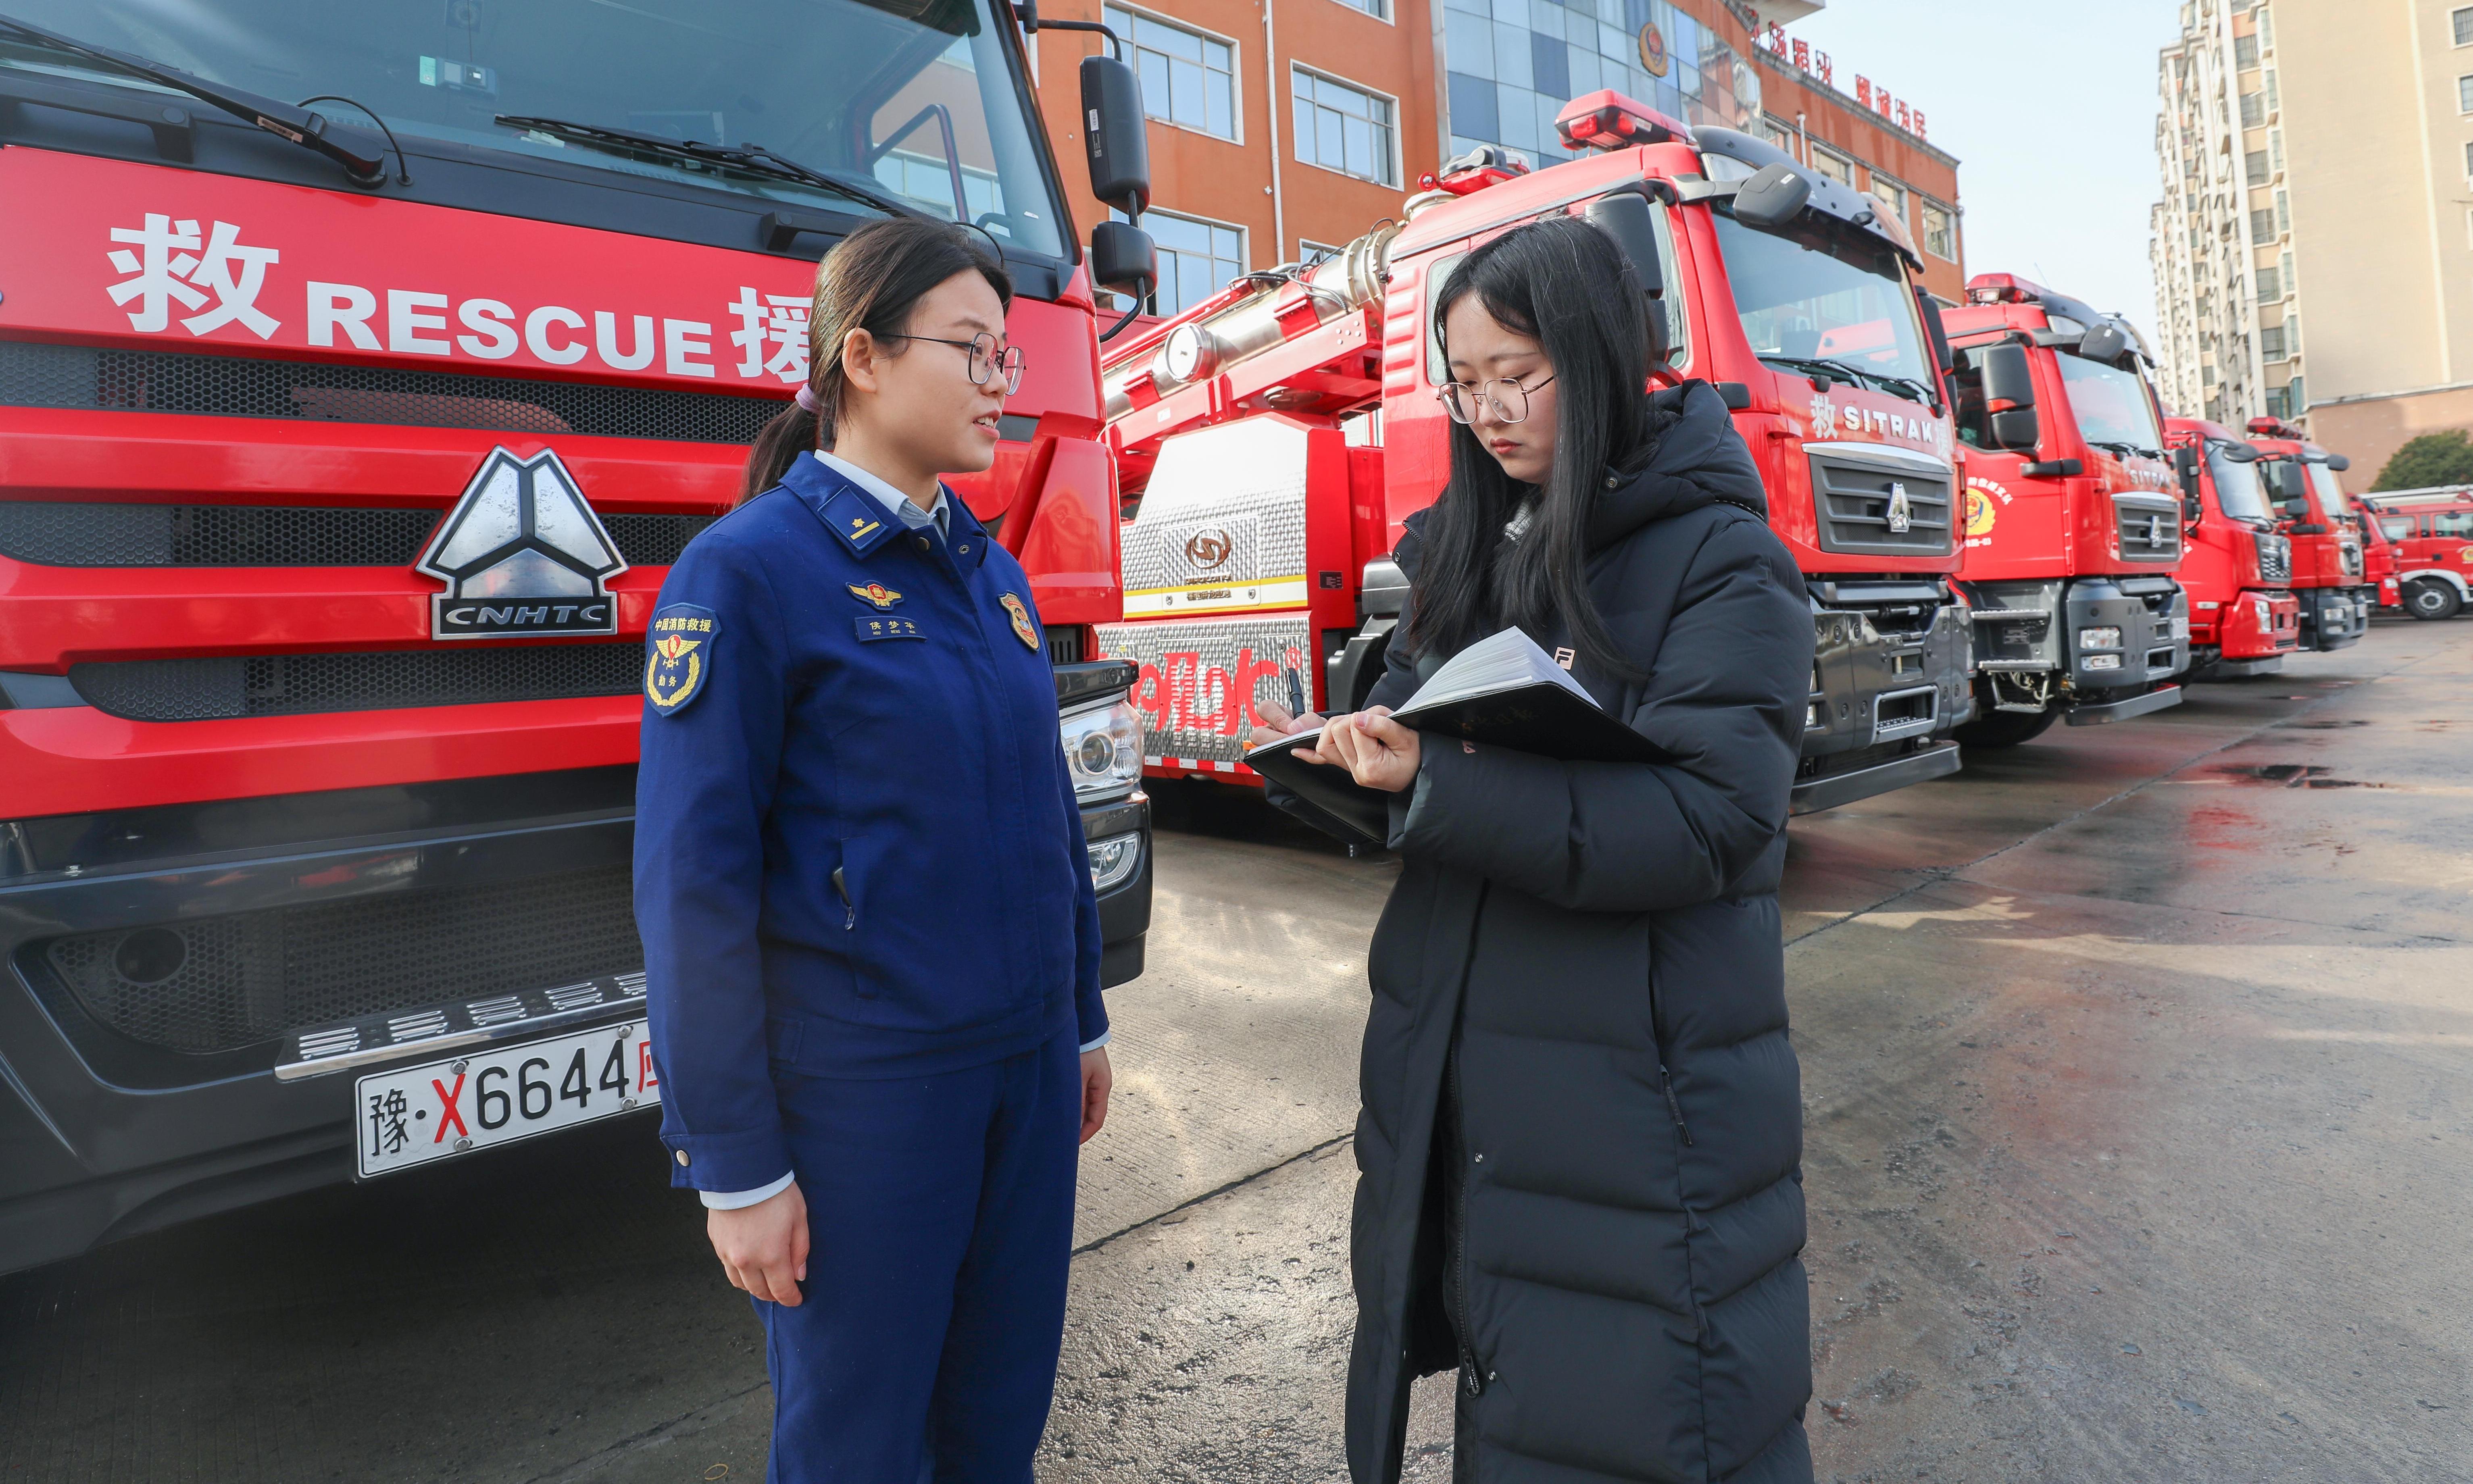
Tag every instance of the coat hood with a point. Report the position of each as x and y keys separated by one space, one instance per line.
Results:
x=1698 y=458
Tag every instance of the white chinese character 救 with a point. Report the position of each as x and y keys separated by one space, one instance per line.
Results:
x=776 y=319
x=169 y=266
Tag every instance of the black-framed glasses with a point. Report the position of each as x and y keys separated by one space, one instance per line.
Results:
x=1509 y=398
x=986 y=360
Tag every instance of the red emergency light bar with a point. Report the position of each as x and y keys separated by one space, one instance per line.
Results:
x=1607 y=120
x=2004 y=289
x=2275 y=428
x=1487 y=164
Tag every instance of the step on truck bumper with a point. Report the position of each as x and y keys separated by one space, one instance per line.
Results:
x=2095 y=713
x=2237 y=669
x=1828 y=792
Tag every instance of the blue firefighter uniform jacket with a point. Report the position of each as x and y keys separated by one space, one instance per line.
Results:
x=857 y=849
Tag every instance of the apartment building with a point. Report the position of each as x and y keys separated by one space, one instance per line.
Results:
x=2317 y=169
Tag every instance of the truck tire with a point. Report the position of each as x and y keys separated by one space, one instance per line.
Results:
x=2005 y=729
x=2428 y=599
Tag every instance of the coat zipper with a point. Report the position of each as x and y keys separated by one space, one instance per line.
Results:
x=849 y=913
x=1472 y=1377
x=1673 y=1104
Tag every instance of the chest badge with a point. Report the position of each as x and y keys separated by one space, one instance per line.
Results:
x=877 y=594
x=679 y=654
x=1021 y=625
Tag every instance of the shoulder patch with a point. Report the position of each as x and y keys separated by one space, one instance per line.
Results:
x=679 y=650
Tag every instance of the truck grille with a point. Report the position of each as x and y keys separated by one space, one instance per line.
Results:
x=54 y=533
x=219 y=688
x=2274 y=557
x=231 y=386
x=217 y=983
x=2149 y=534
x=1858 y=508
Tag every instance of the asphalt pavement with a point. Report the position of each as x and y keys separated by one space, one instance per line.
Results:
x=2138 y=1069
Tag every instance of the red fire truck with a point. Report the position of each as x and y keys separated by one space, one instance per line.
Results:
x=2431 y=531
x=1277 y=435
x=2072 y=527
x=2237 y=566
x=344 y=446
x=2328 y=574
x=2381 y=562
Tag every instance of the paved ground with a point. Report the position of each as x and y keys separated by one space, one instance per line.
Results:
x=2139 y=1147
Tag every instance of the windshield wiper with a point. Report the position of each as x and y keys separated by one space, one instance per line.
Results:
x=2125 y=450
x=1852 y=375
x=301 y=127
x=753 y=159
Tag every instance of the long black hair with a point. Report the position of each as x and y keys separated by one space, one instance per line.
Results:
x=1560 y=282
x=870 y=282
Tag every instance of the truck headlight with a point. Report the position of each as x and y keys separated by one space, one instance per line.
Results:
x=1114 y=859
x=2103 y=661
x=1103 y=748
x=2100 y=639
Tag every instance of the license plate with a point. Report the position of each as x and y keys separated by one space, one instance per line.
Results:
x=414 y=1115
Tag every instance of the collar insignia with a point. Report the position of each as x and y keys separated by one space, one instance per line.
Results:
x=1021 y=628
x=877 y=594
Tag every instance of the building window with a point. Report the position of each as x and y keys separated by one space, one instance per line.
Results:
x=2254 y=167
x=1891 y=194
x=1344 y=129
x=2262 y=226
x=1197 y=258
x=2464 y=95
x=2246 y=52
x=2283 y=213
x=2462 y=21
x=1940 y=232
x=1836 y=166
x=1188 y=79
x=2253 y=110
x=2271 y=343
x=1380 y=9
x=2270 y=286
x=1310 y=252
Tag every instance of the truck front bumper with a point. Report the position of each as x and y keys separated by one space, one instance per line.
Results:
x=2335 y=617
x=157 y=1063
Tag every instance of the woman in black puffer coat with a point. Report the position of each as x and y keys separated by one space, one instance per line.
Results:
x=1581 y=1128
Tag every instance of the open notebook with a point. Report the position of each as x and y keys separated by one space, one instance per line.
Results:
x=1503 y=691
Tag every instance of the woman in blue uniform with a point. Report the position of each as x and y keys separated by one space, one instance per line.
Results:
x=871 y=942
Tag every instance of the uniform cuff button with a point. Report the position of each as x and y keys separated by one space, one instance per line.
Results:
x=682 y=1158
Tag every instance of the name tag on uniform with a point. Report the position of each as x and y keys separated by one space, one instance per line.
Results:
x=869 y=630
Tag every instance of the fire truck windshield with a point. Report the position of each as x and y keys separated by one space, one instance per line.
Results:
x=2237 y=487
x=2112 y=407
x=915 y=102
x=2329 y=489
x=1827 y=294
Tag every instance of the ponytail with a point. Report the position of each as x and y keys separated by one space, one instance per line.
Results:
x=870 y=282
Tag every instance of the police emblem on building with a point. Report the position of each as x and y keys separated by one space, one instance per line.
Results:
x=522 y=555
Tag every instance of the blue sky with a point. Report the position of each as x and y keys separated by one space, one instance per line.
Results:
x=2051 y=111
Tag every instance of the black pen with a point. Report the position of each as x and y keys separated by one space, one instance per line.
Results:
x=1296 y=693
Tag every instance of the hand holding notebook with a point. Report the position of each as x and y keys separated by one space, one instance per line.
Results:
x=1503 y=691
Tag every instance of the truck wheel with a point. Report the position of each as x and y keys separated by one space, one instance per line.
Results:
x=2005 y=729
x=2427 y=599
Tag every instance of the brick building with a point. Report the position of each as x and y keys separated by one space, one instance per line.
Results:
x=1284 y=127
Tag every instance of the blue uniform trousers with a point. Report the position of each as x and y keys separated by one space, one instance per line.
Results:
x=940 y=1215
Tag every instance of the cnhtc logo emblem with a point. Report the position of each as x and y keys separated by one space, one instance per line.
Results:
x=1902 y=510
x=521 y=554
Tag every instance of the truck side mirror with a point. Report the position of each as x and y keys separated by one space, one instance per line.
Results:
x=2104 y=342
x=2185 y=463
x=2008 y=396
x=1625 y=216
x=2338 y=462
x=1121 y=149
x=1774 y=195
x=1123 y=259
x=2291 y=487
x=1942 y=355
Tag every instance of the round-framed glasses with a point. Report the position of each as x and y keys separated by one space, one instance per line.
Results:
x=986 y=359
x=1509 y=398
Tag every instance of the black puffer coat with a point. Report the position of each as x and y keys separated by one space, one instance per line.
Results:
x=1602 y=942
